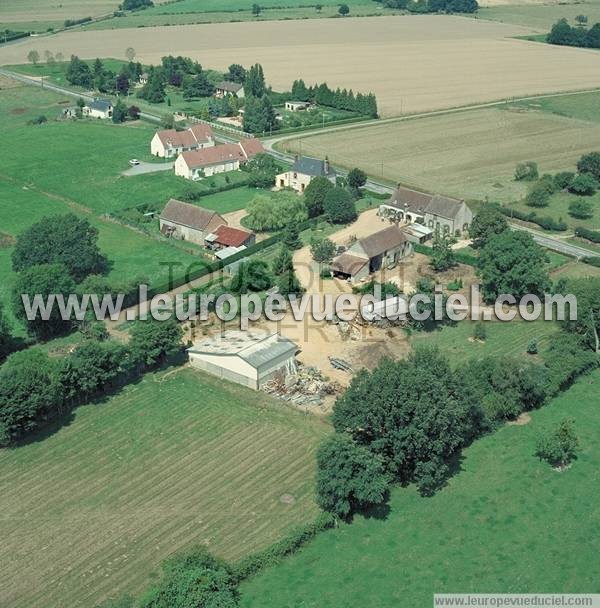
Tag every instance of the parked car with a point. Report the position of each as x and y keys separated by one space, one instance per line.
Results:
x=134 y=161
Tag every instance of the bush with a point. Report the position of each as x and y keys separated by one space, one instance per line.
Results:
x=590 y=163
x=527 y=171
x=38 y=120
x=559 y=447
x=532 y=347
x=545 y=222
x=322 y=249
x=581 y=209
x=586 y=233
x=592 y=261
x=564 y=179
x=584 y=184
x=479 y=331
x=538 y=195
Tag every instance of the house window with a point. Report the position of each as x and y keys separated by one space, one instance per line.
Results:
x=430 y=223
x=465 y=227
x=295 y=176
x=446 y=229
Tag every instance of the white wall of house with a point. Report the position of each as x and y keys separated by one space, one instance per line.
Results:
x=93 y=113
x=156 y=147
x=183 y=170
x=290 y=179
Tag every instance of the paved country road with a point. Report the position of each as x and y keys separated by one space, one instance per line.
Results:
x=555 y=244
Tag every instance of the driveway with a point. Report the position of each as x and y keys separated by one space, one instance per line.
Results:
x=144 y=167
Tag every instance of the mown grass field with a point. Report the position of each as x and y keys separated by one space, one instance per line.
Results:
x=583 y=106
x=503 y=339
x=64 y=166
x=506 y=523
x=469 y=154
x=541 y=16
x=176 y=460
x=213 y=11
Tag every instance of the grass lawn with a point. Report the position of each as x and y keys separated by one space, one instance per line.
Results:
x=542 y=16
x=178 y=459
x=583 y=106
x=230 y=200
x=215 y=11
x=506 y=523
x=503 y=339
x=558 y=209
x=576 y=270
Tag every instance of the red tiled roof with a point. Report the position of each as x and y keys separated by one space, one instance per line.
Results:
x=197 y=134
x=251 y=147
x=213 y=156
x=231 y=237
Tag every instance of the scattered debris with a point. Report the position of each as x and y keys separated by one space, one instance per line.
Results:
x=341 y=365
x=307 y=386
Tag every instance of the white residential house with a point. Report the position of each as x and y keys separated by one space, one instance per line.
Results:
x=98 y=108
x=143 y=79
x=297 y=106
x=229 y=88
x=198 y=164
x=303 y=171
x=169 y=143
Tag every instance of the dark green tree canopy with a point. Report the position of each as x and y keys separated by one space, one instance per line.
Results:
x=153 y=342
x=315 y=193
x=489 y=221
x=339 y=206
x=409 y=413
x=350 y=478
x=29 y=393
x=60 y=239
x=587 y=325
x=252 y=275
x=43 y=280
x=512 y=263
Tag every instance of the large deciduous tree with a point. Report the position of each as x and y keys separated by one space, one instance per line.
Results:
x=29 y=393
x=274 y=212
x=60 y=239
x=489 y=221
x=410 y=414
x=153 y=342
x=339 y=206
x=45 y=281
x=315 y=193
x=512 y=263
x=587 y=324
x=350 y=478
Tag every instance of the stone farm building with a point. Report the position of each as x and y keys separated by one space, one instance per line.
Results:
x=189 y=222
x=303 y=171
x=250 y=359
x=229 y=88
x=440 y=213
x=169 y=142
x=98 y=108
x=382 y=249
x=219 y=159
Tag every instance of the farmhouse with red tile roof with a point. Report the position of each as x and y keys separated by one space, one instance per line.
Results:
x=169 y=143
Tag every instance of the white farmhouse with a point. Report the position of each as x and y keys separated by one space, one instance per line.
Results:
x=169 y=143
x=98 y=108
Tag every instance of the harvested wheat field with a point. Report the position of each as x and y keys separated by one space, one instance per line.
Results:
x=412 y=63
x=470 y=154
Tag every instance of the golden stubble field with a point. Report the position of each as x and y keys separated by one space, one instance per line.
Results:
x=412 y=63
x=470 y=154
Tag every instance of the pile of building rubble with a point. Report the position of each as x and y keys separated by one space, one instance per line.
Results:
x=306 y=387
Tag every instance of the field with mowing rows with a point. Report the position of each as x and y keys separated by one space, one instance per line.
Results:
x=469 y=154
x=447 y=61
x=176 y=460
x=508 y=339
x=506 y=523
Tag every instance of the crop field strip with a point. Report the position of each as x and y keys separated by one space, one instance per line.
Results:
x=147 y=472
x=447 y=61
x=469 y=154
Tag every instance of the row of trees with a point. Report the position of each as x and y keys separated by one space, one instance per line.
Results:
x=341 y=99
x=36 y=389
x=564 y=34
x=98 y=76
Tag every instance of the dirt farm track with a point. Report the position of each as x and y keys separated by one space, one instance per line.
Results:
x=412 y=63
